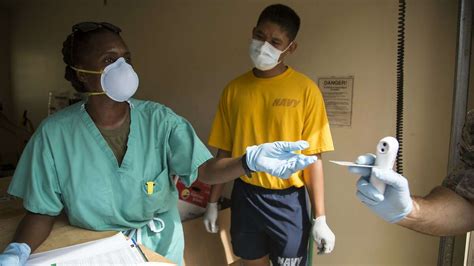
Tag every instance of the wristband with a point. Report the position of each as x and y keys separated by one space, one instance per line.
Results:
x=247 y=170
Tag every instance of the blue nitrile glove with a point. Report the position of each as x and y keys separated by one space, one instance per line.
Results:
x=277 y=158
x=15 y=254
x=392 y=206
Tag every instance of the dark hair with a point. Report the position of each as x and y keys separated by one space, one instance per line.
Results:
x=282 y=15
x=74 y=46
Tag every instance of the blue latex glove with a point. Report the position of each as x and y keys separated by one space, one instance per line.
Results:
x=277 y=158
x=15 y=254
x=392 y=206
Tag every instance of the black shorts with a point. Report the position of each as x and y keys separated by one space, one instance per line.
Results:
x=273 y=222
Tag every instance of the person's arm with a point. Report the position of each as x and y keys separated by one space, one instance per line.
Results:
x=276 y=158
x=31 y=232
x=34 y=229
x=211 y=214
x=314 y=182
x=220 y=170
x=216 y=190
x=440 y=213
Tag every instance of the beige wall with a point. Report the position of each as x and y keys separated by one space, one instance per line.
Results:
x=186 y=51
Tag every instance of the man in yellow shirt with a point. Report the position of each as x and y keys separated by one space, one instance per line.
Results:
x=273 y=102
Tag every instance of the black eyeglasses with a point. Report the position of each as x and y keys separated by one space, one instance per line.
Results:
x=88 y=27
x=91 y=26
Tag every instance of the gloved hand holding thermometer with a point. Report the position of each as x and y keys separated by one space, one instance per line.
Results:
x=386 y=154
x=380 y=188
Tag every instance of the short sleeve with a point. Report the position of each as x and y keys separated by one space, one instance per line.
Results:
x=35 y=179
x=461 y=181
x=220 y=136
x=461 y=178
x=316 y=125
x=187 y=152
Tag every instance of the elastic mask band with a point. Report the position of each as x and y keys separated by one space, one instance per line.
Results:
x=279 y=61
x=288 y=47
x=94 y=93
x=86 y=71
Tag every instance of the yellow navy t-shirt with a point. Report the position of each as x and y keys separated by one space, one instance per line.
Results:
x=287 y=107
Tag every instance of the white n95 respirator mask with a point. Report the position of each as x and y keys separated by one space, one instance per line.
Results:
x=118 y=80
x=264 y=56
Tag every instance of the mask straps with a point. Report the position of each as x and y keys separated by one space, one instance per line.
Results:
x=279 y=61
x=86 y=71
x=288 y=46
x=89 y=72
x=94 y=93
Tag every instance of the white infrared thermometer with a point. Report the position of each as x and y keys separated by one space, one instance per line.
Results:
x=387 y=150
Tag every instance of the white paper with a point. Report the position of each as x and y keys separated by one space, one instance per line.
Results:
x=152 y=263
x=343 y=163
x=115 y=250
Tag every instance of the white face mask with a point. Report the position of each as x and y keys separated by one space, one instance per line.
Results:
x=264 y=56
x=118 y=80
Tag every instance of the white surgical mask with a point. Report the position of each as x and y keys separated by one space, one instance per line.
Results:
x=264 y=56
x=118 y=80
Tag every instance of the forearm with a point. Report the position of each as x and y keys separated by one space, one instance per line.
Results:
x=314 y=182
x=220 y=170
x=34 y=229
x=440 y=213
x=216 y=192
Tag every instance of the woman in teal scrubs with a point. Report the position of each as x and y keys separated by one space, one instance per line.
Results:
x=107 y=162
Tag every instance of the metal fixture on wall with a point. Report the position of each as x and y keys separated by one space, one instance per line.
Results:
x=461 y=88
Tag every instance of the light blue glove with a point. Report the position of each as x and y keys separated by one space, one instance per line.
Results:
x=15 y=254
x=392 y=206
x=322 y=235
x=277 y=158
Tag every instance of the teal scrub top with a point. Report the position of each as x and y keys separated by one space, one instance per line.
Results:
x=68 y=165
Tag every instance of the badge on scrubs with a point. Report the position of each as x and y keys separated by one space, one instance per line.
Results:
x=149 y=187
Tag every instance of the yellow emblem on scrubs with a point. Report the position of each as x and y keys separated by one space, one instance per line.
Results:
x=149 y=187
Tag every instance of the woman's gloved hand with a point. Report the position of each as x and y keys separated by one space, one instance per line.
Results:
x=278 y=158
x=210 y=218
x=15 y=254
x=392 y=206
x=323 y=236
